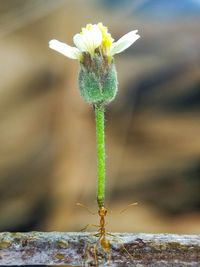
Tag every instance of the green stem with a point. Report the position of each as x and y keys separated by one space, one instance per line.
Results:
x=100 y=140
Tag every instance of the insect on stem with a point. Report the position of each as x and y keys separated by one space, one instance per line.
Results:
x=102 y=230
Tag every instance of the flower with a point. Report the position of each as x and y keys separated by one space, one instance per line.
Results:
x=95 y=48
x=94 y=38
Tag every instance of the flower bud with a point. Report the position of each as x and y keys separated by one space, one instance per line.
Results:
x=97 y=79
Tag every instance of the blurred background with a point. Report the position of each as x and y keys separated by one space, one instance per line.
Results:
x=47 y=133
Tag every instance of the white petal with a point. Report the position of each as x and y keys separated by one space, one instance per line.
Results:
x=96 y=36
x=66 y=50
x=80 y=42
x=124 y=42
x=88 y=40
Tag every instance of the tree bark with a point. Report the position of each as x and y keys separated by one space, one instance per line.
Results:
x=83 y=249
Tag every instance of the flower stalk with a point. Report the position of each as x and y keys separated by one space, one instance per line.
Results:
x=95 y=49
x=100 y=142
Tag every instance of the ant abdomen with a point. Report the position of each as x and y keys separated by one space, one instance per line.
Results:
x=105 y=244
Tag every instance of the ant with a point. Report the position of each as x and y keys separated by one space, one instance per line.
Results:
x=102 y=230
x=101 y=233
x=105 y=244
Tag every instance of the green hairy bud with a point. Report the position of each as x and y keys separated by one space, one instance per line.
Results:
x=97 y=79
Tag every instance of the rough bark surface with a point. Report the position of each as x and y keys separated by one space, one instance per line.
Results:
x=83 y=249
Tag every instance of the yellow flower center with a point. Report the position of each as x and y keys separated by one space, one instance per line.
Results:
x=107 y=39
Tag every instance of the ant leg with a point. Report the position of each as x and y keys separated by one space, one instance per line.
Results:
x=95 y=225
x=121 y=243
x=88 y=226
x=132 y=204
x=111 y=235
x=97 y=235
x=85 y=207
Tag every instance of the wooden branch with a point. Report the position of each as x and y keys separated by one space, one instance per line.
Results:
x=83 y=249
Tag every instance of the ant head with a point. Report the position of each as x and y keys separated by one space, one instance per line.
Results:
x=102 y=211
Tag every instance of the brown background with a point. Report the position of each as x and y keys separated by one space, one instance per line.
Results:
x=47 y=133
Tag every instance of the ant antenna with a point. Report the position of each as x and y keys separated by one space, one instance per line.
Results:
x=132 y=204
x=85 y=207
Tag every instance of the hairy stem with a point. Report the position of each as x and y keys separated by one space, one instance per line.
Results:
x=100 y=140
